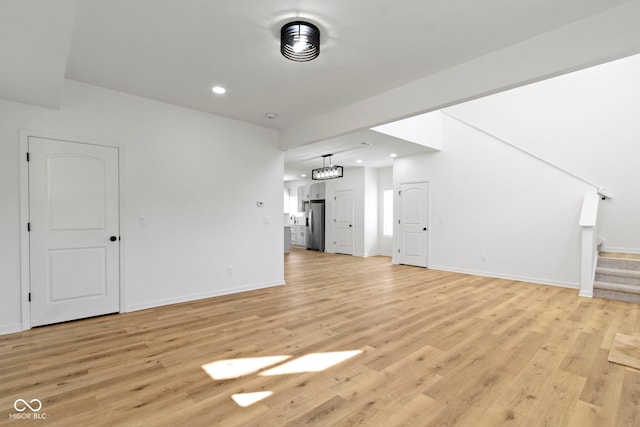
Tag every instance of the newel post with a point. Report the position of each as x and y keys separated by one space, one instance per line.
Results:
x=588 y=223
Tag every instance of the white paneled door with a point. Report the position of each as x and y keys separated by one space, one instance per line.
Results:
x=344 y=222
x=74 y=230
x=413 y=220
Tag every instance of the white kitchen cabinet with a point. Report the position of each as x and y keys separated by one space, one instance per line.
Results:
x=317 y=190
x=303 y=193
x=298 y=235
x=303 y=196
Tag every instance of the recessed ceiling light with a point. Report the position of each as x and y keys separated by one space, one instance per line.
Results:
x=366 y=143
x=219 y=90
x=358 y=161
x=304 y=175
x=271 y=116
x=393 y=155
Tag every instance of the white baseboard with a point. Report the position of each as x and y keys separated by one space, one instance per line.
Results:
x=586 y=294
x=508 y=277
x=377 y=253
x=194 y=297
x=11 y=328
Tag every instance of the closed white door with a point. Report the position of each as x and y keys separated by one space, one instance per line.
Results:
x=74 y=230
x=413 y=223
x=344 y=222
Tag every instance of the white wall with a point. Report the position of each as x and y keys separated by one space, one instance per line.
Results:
x=488 y=199
x=422 y=129
x=371 y=212
x=385 y=182
x=195 y=176
x=585 y=122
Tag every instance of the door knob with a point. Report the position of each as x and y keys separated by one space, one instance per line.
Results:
x=350 y=225
x=113 y=238
x=424 y=229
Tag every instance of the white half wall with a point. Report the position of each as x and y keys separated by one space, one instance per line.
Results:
x=195 y=177
x=497 y=211
x=584 y=122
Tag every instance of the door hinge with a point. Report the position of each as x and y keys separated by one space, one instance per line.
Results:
x=334 y=243
x=28 y=226
x=398 y=250
x=398 y=221
x=27 y=156
x=400 y=193
x=29 y=296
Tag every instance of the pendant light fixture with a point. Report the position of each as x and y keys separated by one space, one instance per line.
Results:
x=300 y=41
x=327 y=172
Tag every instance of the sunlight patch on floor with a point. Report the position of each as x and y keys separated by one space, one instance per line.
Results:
x=236 y=368
x=314 y=362
x=248 y=399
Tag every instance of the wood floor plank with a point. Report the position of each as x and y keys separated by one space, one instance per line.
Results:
x=437 y=348
x=629 y=405
x=603 y=386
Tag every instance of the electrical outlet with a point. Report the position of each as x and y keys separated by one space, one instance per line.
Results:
x=229 y=270
x=260 y=204
x=483 y=258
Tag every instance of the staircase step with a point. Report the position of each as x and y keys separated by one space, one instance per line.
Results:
x=617 y=291
x=618 y=277
x=613 y=275
x=619 y=263
x=618 y=287
x=616 y=295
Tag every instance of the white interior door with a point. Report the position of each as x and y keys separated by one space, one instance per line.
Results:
x=344 y=222
x=74 y=230
x=413 y=223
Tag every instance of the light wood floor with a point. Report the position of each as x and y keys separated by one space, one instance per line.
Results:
x=437 y=348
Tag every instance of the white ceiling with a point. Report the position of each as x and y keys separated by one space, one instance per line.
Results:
x=176 y=50
x=372 y=148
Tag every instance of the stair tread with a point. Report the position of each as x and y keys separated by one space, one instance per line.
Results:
x=620 y=287
x=616 y=295
x=620 y=255
x=618 y=272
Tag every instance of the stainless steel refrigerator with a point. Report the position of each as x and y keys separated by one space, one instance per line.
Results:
x=315 y=225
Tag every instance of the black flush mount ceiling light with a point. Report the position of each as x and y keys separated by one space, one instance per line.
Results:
x=327 y=172
x=300 y=41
